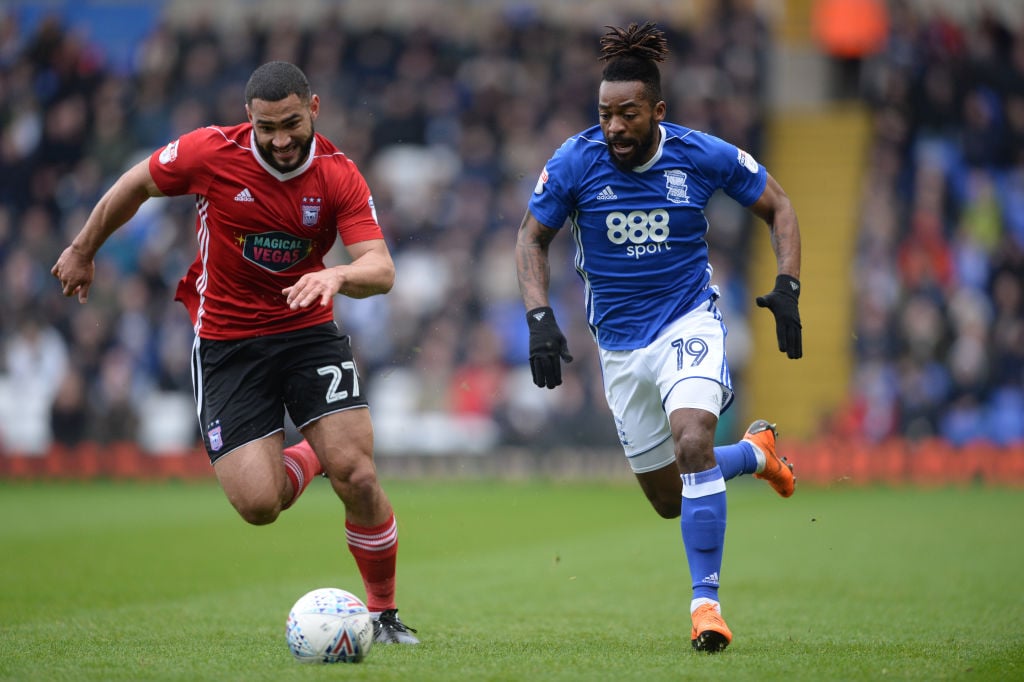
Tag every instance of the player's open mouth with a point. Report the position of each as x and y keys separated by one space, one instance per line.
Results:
x=285 y=153
x=622 y=148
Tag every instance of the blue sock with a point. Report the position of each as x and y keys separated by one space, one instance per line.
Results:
x=736 y=459
x=703 y=526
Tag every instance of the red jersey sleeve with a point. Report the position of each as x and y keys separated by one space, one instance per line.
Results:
x=180 y=168
x=356 y=217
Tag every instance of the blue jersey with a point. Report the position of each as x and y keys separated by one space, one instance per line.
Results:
x=639 y=234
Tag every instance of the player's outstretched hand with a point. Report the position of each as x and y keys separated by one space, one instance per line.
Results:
x=782 y=301
x=75 y=272
x=548 y=347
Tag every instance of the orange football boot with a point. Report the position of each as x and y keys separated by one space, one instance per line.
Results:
x=777 y=470
x=710 y=634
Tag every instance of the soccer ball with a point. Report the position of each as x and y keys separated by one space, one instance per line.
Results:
x=329 y=625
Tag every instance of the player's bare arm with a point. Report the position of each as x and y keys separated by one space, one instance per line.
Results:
x=75 y=268
x=532 y=265
x=371 y=272
x=775 y=209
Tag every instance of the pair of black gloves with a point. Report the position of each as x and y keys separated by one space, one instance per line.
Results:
x=548 y=346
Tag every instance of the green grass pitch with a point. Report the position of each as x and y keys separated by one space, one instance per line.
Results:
x=529 y=580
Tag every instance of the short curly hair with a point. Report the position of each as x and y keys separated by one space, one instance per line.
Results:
x=274 y=81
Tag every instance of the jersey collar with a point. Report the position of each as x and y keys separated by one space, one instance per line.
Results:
x=657 y=154
x=273 y=171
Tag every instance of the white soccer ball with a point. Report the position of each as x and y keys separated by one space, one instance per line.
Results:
x=329 y=625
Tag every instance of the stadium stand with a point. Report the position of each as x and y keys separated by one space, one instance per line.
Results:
x=451 y=117
x=450 y=127
x=939 y=322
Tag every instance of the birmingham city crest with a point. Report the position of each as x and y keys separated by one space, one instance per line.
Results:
x=675 y=183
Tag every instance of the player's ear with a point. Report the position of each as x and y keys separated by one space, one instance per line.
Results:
x=248 y=113
x=660 y=109
x=314 y=106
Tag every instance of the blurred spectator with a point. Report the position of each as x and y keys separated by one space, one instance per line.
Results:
x=70 y=416
x=35 y=362
x=849 y=31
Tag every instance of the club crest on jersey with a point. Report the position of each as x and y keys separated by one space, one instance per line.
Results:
x=275 y=251
x=311 y=210
x=675 y=183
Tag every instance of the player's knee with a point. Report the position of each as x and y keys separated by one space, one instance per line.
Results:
x=694 y=452
x=355 y=483
x=666 y=508
x=259 y=517
x=258 y=512
x=665 y=503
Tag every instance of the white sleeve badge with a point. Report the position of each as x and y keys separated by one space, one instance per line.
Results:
x=747 y=161
x=169 y=153
x=539 y=188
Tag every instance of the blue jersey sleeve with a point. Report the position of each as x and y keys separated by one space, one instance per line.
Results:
x=553 y=199
x=741 y=176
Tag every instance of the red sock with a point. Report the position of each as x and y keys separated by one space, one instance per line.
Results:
x=302 y=466
x=375 y=550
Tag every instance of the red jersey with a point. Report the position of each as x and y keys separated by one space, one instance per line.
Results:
x=259 y=230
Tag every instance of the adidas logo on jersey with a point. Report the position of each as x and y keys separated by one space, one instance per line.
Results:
x=245 y=195
x=606 y=194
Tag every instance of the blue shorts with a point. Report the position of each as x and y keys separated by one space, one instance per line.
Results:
x=243 y=387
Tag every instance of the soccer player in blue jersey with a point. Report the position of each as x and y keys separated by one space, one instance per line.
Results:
x=632 y=191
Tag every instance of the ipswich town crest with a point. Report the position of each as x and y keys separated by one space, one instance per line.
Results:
x=311 y=210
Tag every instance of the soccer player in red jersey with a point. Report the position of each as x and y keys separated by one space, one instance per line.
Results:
x=272 y=196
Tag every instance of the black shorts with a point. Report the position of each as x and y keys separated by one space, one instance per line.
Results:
x=243 y=387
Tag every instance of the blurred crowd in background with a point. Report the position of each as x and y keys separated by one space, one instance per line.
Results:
x=451 y=133
x=451 y=126
x=939 y=284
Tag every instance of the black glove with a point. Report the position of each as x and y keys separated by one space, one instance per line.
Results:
x=547 y=347
x=782 y=301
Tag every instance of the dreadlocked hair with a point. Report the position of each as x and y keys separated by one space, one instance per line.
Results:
x=632 y=54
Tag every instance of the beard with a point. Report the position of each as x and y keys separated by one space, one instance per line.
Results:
x=640 y=154
x=267 y=152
